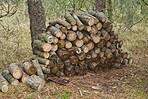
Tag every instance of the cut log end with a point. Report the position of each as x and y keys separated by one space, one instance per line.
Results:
x=17 y=74
x=46 y=47
x=15 y=82
x=4 y=88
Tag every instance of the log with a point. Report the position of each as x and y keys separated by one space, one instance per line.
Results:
x=64 y=23
x=86 y=38
x=96 y=20
x=55 y=31
x=63 y=54
x=24 y=77
x=67 y=62
x=86 y=19
x=61 y=44
x=71 y=51
x=101 y=43
x=97 y=50
x=63 y=29
x=78 y=22
x=99 y=26
x=35 y=82
x=106 y=24
x=93 y=65
x=93 y=54
x=78 y=43
x=60 y=63
x=100 y=15
x=3 y=87
x=54 y=69
x=87 y=28
x=29 y=68
x=95 y=38
x=94 y=29
x=54 y=47
x=108 y=44
x=55 y=40
x=68 y=45
x=90 y=45
x=73 y=59
x=77 y=50
x=85 y=49
x=113 y=47
x=39 y=70
x=71 y=36
x=45 y=37
x=81 y=56
x=42 y=46
x=41 y=54
x=43 y=61
x=15 y=71
x=74 y=28
x=108 y=53
x=70 y=19
x=103 y=49
x=101 y=54
x=3 y=80
x=79 y=35
x=104 y=33
x=6 y=74
x=108 y=29
x=63 y=36
x=45 y=69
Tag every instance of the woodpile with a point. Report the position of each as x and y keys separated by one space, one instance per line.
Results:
x=72 y=45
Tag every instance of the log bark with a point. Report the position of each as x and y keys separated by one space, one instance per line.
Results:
x=70 y=18
x=41 y=54
x=78 y=22
x=39 y=70
x=71 y=36
x=45 y=37
x=61 y=44
x=87 y=28
x=29 y=68
x=64 y=23
x=73 y=59
x=15 y=71
x=3 y=87
x=42 y=46
x=96 y=20
x=108 y=53
x=6 y=74
x=3 y=80
x=90 y=45
x=77 y=49
x=101 y=54
x=85 y=49
x=95 y=38
x=35 y=82
x=94 y=29
x=101 y=43
x=93 y=54
x=63 y=29
x=100 y=15
x=79 y=35
x=106 y=24
x=24 y=77
x=55 y=31
x=63 y=54
x=99 y=26
x=55 y=69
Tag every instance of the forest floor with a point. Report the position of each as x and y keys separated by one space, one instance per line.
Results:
x=127 y=82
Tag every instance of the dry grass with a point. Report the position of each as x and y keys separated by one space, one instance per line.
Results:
x=128 y=82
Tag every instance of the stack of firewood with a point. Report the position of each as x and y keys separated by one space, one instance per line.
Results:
x=79 y=42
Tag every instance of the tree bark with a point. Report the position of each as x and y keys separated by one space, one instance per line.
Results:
x=100 y=5
x=37 y=18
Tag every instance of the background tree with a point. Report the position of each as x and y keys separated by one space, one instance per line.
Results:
x=37 y=18
x=100 y=5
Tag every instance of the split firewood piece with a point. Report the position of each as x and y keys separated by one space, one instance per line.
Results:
x=71 y=36
x=63 y=29
x=70 y=19
x=63 y=36
x=29 y=68
x=36 y=82
x=3 y=87
x=85 y=49
x=3 y=80
x=100 y=15
x=39 y=70
x=94 y=29
x=101 y=54
x=6 y=74
x=55 y=31
x=90 y=45
x=45 y=37
x=41 y=54
x=68 y=45
x=54 y=47
x=99 y=26
x=42 y=46
x=86 y=19
x=108 y=53
x=74 y=28
x=63 y=54
x=78 y=22
x=106 y=24
x=79 y=34
x=73 y=59
x=101 y=43
x=24 y=77
x=64 y=23
x=15 y=71
x=95 y=38
x=96 y=20
x=87 y=28
x=61 y=44
x=77 y=49
x=78 y=43
x=97 y=49
x=93 y=54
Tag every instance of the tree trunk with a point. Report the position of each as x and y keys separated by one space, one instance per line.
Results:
x=100 y=5
x=109 y=9
x=37 y=18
